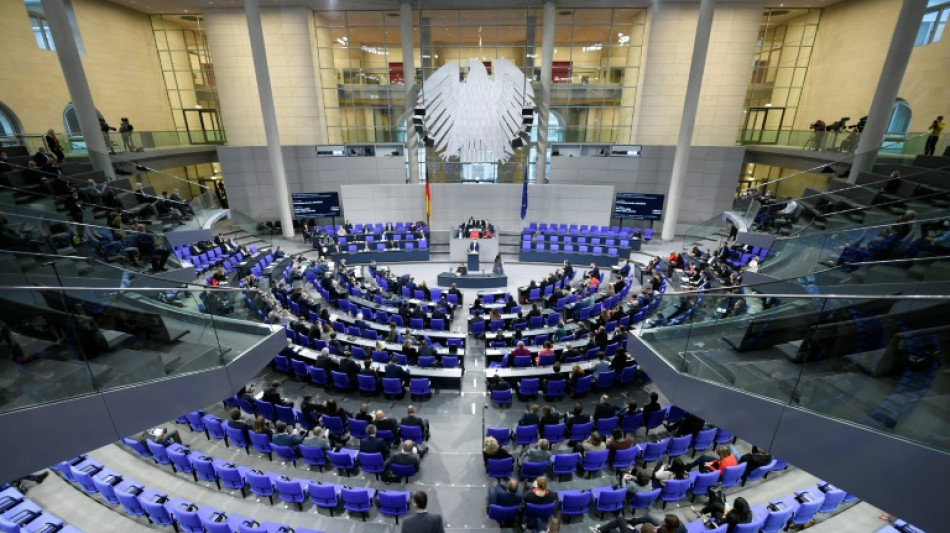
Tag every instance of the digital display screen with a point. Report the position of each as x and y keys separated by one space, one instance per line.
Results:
x=316 y=204
x=635 y=206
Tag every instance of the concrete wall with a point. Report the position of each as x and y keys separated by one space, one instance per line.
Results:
x=453 y=203
x=250 y=186
x=121 y=64
x=290 y=41
x=669 y=48
x=710 y=179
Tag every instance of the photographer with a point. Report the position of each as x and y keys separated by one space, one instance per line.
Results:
x=818 y=140
x=936 y=128
x=106 y=128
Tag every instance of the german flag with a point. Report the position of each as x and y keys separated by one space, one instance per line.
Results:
x=428 y=202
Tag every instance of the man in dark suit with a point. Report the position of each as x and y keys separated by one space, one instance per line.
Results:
x=473 y=246
x=506 y=495
x=455 y=290
x=284 y=437
x=239 y=424
x=530 y=417
x=422 y=521
x=368 y=370
x=577 y=416
x=272 y=395
x=568 y=270
x=374 y=444
x=605 y=409
x=349 y=367
x=412 y=420
x=386 y=424
x=404 y=456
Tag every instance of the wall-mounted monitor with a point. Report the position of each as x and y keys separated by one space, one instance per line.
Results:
x=316 y=204
x=636 y=206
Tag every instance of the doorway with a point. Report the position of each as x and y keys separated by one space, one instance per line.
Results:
x=762 y=125
x=203 y=126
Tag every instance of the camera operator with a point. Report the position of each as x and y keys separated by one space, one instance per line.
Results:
x=819 y=139
x=936 y=128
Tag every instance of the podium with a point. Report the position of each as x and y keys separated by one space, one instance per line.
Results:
x=472 y=262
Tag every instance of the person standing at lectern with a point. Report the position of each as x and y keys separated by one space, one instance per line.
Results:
x=473 y=246
x=499 y=268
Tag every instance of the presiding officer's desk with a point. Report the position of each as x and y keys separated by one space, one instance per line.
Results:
x=515 y=374
x=437 y=375
x=370 y=345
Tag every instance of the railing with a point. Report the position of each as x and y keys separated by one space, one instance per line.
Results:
x=121 y=142
x=820 y=344
x=845 y=142
x=252 y=227
x=72 y=327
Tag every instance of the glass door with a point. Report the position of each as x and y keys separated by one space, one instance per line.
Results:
x=762 y=125
x=203 y=126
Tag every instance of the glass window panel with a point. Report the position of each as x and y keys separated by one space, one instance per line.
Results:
x=592 y=16
x=364 y=18
x=331 y=18
x=941 y=25
x=392 y=19
x=440 y=35
x=432 y=17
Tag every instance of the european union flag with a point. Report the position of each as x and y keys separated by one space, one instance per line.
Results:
x=524 y=195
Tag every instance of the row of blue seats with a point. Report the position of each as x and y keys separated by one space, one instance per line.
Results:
x=584 y=229
x=360 y=237
x=136 y=500
x=382 y=246
x=20 y=514
x=569 y=249
x=567 y=239
x=377 y=227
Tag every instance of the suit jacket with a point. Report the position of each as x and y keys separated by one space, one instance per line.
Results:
x=374 y=445
x=605 y=410
x=412 y=421
x=349 y=367
x=504 y=497
x=473 y=246
x=401 y=458
x=423 y=522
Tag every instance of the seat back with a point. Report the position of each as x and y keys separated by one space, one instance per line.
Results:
x=675 y=489
x=643 y=500
x=596 y=460
x=500 y=468
x=525 y=435
x=554 y=432
x=565 y=463
x=731 y=475
x=503 y=514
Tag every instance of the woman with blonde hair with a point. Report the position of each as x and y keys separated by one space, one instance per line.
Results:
x=493 y=450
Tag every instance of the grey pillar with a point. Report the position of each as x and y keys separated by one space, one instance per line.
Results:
x=255 y=30
x=902 y=44
x=75 y=75
x=543 y=97
x=409 y=77
x=694 y=84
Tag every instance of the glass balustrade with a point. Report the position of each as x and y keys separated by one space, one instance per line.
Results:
x=73 y=326
x=816 y=343
x=135 y=141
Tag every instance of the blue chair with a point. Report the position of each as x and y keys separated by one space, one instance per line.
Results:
x=704 y=439
x=555 y=389
x=605 y=380
x=180 y=462
x=155 y=510
x=608 y=500
x=500 y=468
x=833 y=499
x=260 y=484
x=503 y=515
x=281 y=362
x=195 y=422
x=342 y=461
x=237 y=438
x=313 y=456
x=291 y=490
x=631 y=423
x=776 y=521
x=413 y=433
x=724 y=437
x=186 y=515
x=502 y=435
x=105 y=482
x=358 y=428
x=372 y=463
x=367 y=385
x=318 y=376
x=643 y=500
x=675 y=490
x=129 y=500
x=573 y=503
x=341 y=381
x=534 y=512
x=654 y=451
x=266 y=409
x=580 y=432
x=595 y=461
x=261 y=444
x=806 y=511
x=419 y=388
x=582 y=386
x=759 y=473
x=525 y=435
x=564 y=464
x=533 y=470
x=702 y=482
x=285 y=453
x=393 y=503
x=324 y=495
x=204 y=468
x=286 y=414
x=159 y=453
x=501 y=397
x=605 y=426
x=625 y=458
x=215 y=427
x=403 y=471
x=554 y=433
x=679 y=445
x=229 y=476
x=655 y=419
x=732 y=475
x=357 y=500
x=138 y=447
